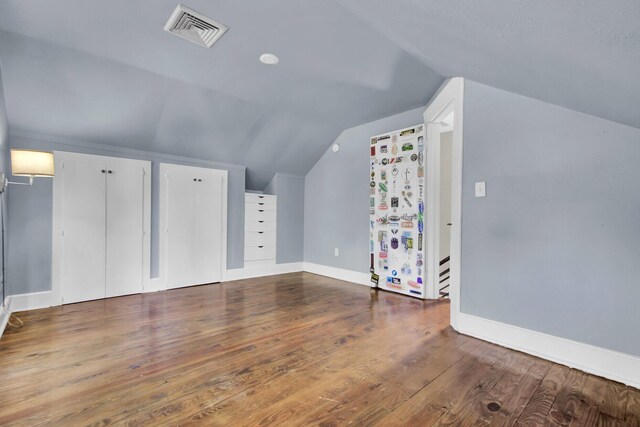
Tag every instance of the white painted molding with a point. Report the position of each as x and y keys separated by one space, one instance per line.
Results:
x=339 y=273
x=31 y=301
x=614 y=365
x=4 y=315
x=267 y=270
x=153 y=285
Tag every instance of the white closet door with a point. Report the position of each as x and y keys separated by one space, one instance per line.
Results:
x=209 y=226
x=181 y=250
x=83 y=230
x=125 y=215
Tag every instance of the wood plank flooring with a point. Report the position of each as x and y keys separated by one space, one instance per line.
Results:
x=289 y=350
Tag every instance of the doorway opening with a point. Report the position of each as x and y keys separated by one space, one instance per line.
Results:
x=443 y=119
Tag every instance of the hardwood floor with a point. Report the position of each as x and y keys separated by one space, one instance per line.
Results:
x=295 y=349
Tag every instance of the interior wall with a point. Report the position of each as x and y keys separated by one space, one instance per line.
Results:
x=290 y=227
x=30 y=212
x=4 y=164
x=554 y=246
x=336 y=196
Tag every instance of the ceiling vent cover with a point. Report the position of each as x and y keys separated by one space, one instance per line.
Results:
x=192 y=26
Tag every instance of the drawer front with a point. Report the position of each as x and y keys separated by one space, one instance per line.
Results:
x=260 y=214
x=254 y=253
x=262 y=206
x=260 y=198
x=259 y=238
x=259 y=225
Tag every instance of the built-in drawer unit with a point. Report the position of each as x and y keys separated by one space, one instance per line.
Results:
x=260 y=229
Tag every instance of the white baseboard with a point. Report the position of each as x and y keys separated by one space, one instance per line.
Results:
x=153 y=285
x=4 y=315
x=267 y=270
x=339 y=273
x=610 y=364
x=32 y=301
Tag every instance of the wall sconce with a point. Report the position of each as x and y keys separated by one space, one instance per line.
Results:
x=29 y=163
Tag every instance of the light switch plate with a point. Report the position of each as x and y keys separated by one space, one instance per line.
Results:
x=481 y=189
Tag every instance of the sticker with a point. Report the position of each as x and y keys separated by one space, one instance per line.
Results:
x=385 y=161
x=383 y=175
x=372 y=184
x=394 y=149
x=421 y=155
x=419 y=279
x=419 y=241
x=383 y=206
x=374 y=278
x=398 y=159
x=394 y=218
x=413 y=284
x=394 y=202
x=407 y=174
x=420 y=171
x=394 y=171
x=373 y=174
x=409 y=217
x=415 y=292
x=394 y=243
x=406 y=224
x=407 y=146
x=383 y=149
x=382 y=220
x=374 y=140
x=396 y=280
x=372 y=202
x=394 y=272
x=407 y=202
x=406 y=269
x=373 y=151
x=382 y=255
x=408 y=132
x=414 y=157
x=420 y=206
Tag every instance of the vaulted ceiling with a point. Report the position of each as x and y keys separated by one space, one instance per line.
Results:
x=105 y=71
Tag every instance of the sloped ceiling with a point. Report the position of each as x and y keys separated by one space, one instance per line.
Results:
x=105 y=71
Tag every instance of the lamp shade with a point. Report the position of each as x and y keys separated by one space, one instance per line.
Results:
x=31 y=163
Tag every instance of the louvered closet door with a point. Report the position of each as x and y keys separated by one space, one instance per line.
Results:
x=83 y=247
x=125 y=213
x=182 y=250
x=209 y=226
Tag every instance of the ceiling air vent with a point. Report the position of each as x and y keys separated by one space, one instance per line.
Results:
x=192 y=26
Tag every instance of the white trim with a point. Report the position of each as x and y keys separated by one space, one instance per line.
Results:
x=30 y=301
x=267 y=270
x=610 y=364
x=154 y=285
x=5 y=313
x=449 y=98
x=338 y=273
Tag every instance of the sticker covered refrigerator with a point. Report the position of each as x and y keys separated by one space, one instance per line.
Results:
x=396 y=211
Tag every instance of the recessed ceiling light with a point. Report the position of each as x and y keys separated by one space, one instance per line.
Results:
x=269 y=59
x=335 y=147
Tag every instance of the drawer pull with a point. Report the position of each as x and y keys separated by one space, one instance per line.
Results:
x=260 y=247
x=261 y=203
x=260 y=197
x=260 y=210
x=260 y=232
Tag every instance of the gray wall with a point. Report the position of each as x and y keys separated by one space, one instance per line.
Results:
x=555 y=245
x=290 y=231
x=4 y=166
x=30 y=212
x=336 y=197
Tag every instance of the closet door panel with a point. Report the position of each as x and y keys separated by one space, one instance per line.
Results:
x=209 y=229
x=84 y=237
x=182 y=250
x=125 y=214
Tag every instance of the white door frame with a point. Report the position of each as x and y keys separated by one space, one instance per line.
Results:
x=163 y=210
x=58 y=221
x=449 y=99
